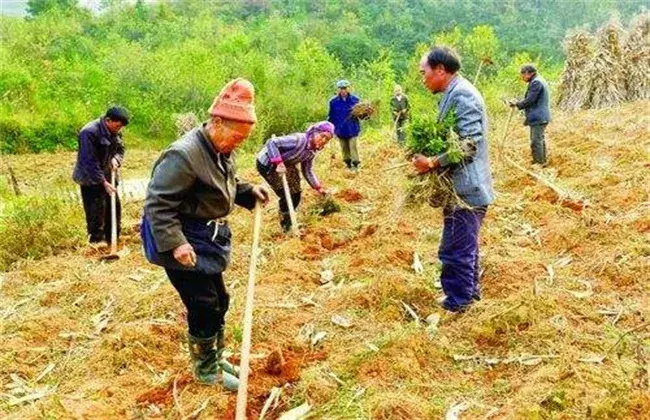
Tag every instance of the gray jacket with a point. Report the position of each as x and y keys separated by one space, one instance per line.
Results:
x=191 y=180
x=536 y=102
x=472 y=179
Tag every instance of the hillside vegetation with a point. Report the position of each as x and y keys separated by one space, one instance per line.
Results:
x=63 y=66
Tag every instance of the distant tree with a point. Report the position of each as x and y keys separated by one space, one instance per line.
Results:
x=476 y=46
x=37 y=7
x=352 y=48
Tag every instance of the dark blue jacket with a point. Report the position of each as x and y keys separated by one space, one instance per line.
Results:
x=536 y=102
x=346 y=126
x=97 y=146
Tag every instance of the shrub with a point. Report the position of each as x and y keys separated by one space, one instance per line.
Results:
x=35 y=227
x=38 y=134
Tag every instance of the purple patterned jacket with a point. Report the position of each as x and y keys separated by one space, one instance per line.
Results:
x=291 y=150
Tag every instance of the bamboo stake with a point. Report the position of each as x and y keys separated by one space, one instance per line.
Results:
x=242 y=393
x=113 y=254
x=484 y=61
x=562 y=195
x=113 y=214
x=399 y=165
x=395 y=135
x=12 y=175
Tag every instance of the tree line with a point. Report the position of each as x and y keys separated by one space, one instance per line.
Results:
x=63 y=65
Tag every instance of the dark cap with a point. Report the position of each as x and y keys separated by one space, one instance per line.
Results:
x=528 y=68
x=117 y=113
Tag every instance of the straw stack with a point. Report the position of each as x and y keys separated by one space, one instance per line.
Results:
x=637 y=58
x=574 y=83
x=607 y=72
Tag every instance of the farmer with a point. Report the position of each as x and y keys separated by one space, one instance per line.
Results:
x=193 y=189
x=399 y=104
x=101 y=151
x=471 y=179
x=281 y=155
x=347 y=126
x=538 y=113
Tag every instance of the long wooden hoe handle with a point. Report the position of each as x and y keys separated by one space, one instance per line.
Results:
x=113 y=215
x=292 y=211
x=395 y=124
x=242 y=393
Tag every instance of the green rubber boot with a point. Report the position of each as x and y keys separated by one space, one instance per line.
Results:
x=206 y=367
x=223 y=362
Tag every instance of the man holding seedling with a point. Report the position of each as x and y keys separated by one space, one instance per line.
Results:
x=192 y=189
x=471 y=179
x=101 y=151
x=346 y=125
x=538 y=113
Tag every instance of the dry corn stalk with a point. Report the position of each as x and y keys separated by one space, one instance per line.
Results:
x=574 y=86
x=607 y=73
x=637 y=58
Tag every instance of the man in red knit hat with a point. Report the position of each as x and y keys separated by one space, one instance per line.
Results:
x=193 y=188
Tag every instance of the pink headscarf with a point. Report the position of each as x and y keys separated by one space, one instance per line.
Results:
x=319 y=127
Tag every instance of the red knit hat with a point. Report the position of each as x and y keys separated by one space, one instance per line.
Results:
x=235 y=102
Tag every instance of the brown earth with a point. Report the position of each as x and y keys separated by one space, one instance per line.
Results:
x=565 y=284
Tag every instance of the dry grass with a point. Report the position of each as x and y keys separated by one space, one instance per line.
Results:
x=365 y=110
x=46 y=171
x=562 y=289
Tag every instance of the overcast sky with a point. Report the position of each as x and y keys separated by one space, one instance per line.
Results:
x=17 y=7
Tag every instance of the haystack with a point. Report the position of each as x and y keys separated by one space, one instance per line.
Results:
x=637 y=58
x=574 y=83
x=606 y=72
x=609 y=70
